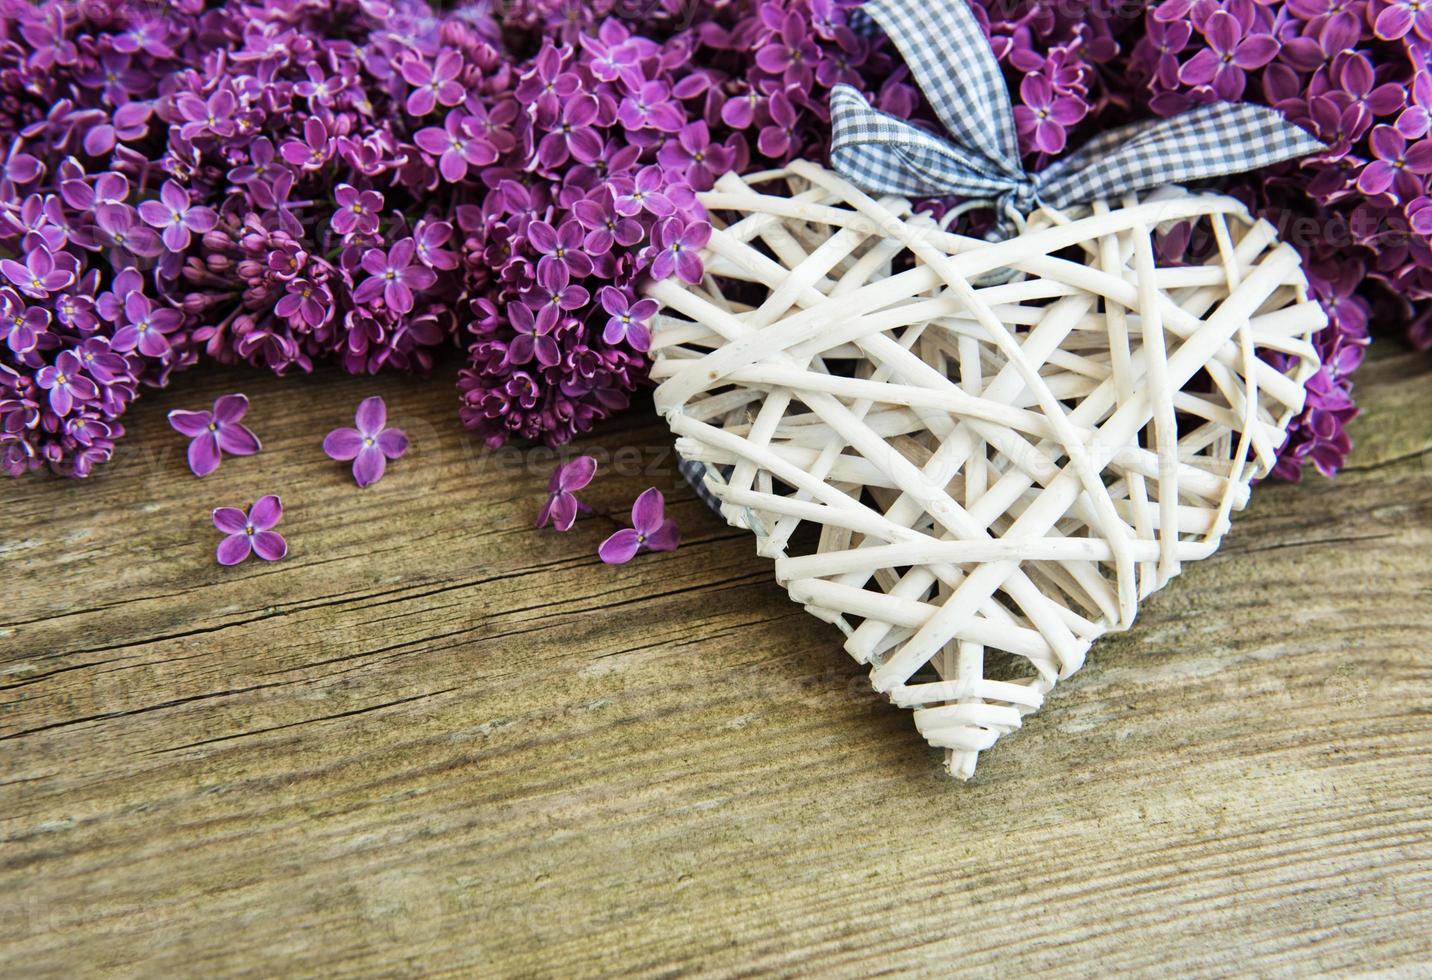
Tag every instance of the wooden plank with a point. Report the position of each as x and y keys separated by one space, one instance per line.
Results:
x=433 y=738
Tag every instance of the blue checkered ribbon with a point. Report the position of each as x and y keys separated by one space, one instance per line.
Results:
x=950 y=57
x=695 y=474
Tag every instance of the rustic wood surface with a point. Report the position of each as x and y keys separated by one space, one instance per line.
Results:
x=435 y=739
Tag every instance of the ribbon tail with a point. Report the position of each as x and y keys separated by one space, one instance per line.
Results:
x=950 y=57
x=1211 y=140
x=882 y=154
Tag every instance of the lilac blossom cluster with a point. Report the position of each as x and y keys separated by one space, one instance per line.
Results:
x=333 y=134
x=285 y=182
x=755 y=77
x=81 y=214
x=243 y=182
x=362 y=180
x=614 y=123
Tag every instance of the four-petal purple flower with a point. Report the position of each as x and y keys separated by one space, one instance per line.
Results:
x=1232 y=50
x=561 y=507
x=250 y=533
x=370 y=445
x=147 y=327
x=66 y=383
x=677 y=250
x=393 y=276
x=215 y=432
x=627 y=320
x=651 y=530
x=40 y=276
x=176 y=216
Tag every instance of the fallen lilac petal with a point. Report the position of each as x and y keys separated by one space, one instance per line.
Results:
x=620 y=548
x=343 y=444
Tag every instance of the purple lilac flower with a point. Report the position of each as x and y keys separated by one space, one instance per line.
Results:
x=393 y=276
x=628 y=321
x=1045 y=117
x=789 y=53
x=533 y=337
x=176 y=216
x=561 y=507
x=66 y=383
x=313 y=150
x=434 y=84
x=557 y=294
x=146 y=327
x=573 y=136
x=646 y=192
x=207 y=117
x=121 y=230
x=741 y=110
x=694 y=153
x=606 y=228
x=1397 y=167
x=370 y=445
x=429 y=237
x=651 y=530
x=260 y=166
x=609 y=61
x=560 y=247
x=21 y=324
x=546 y=85
x=649 y=105
x=678 y=250
x=456 y=146
x=1232 y=50
x=101 y=362
x=250 y=533
x=39 y=276
x=306 y=302
x=358 y=210
x=215 y=432
x=779 y=137
x=1397 y=17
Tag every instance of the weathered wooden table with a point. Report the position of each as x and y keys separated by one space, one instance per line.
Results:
x=435 y=738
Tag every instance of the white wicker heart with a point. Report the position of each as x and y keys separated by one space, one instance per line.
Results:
x=997 y=473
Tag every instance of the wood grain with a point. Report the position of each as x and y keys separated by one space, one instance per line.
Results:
x=435 y=740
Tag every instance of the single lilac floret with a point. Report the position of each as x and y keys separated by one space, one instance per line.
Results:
x=562 y=507
x=251 y=532
x=370 y=445
x=651 y=530
x=216 y=432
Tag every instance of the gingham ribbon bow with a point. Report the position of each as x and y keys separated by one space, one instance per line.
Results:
x=950 y=57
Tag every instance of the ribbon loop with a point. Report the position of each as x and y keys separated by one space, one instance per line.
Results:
x=887 y=155
x=1211 y=140
x=948 y=54
x=951 y=59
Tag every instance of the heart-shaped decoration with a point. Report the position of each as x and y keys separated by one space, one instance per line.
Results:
x=976 y=458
